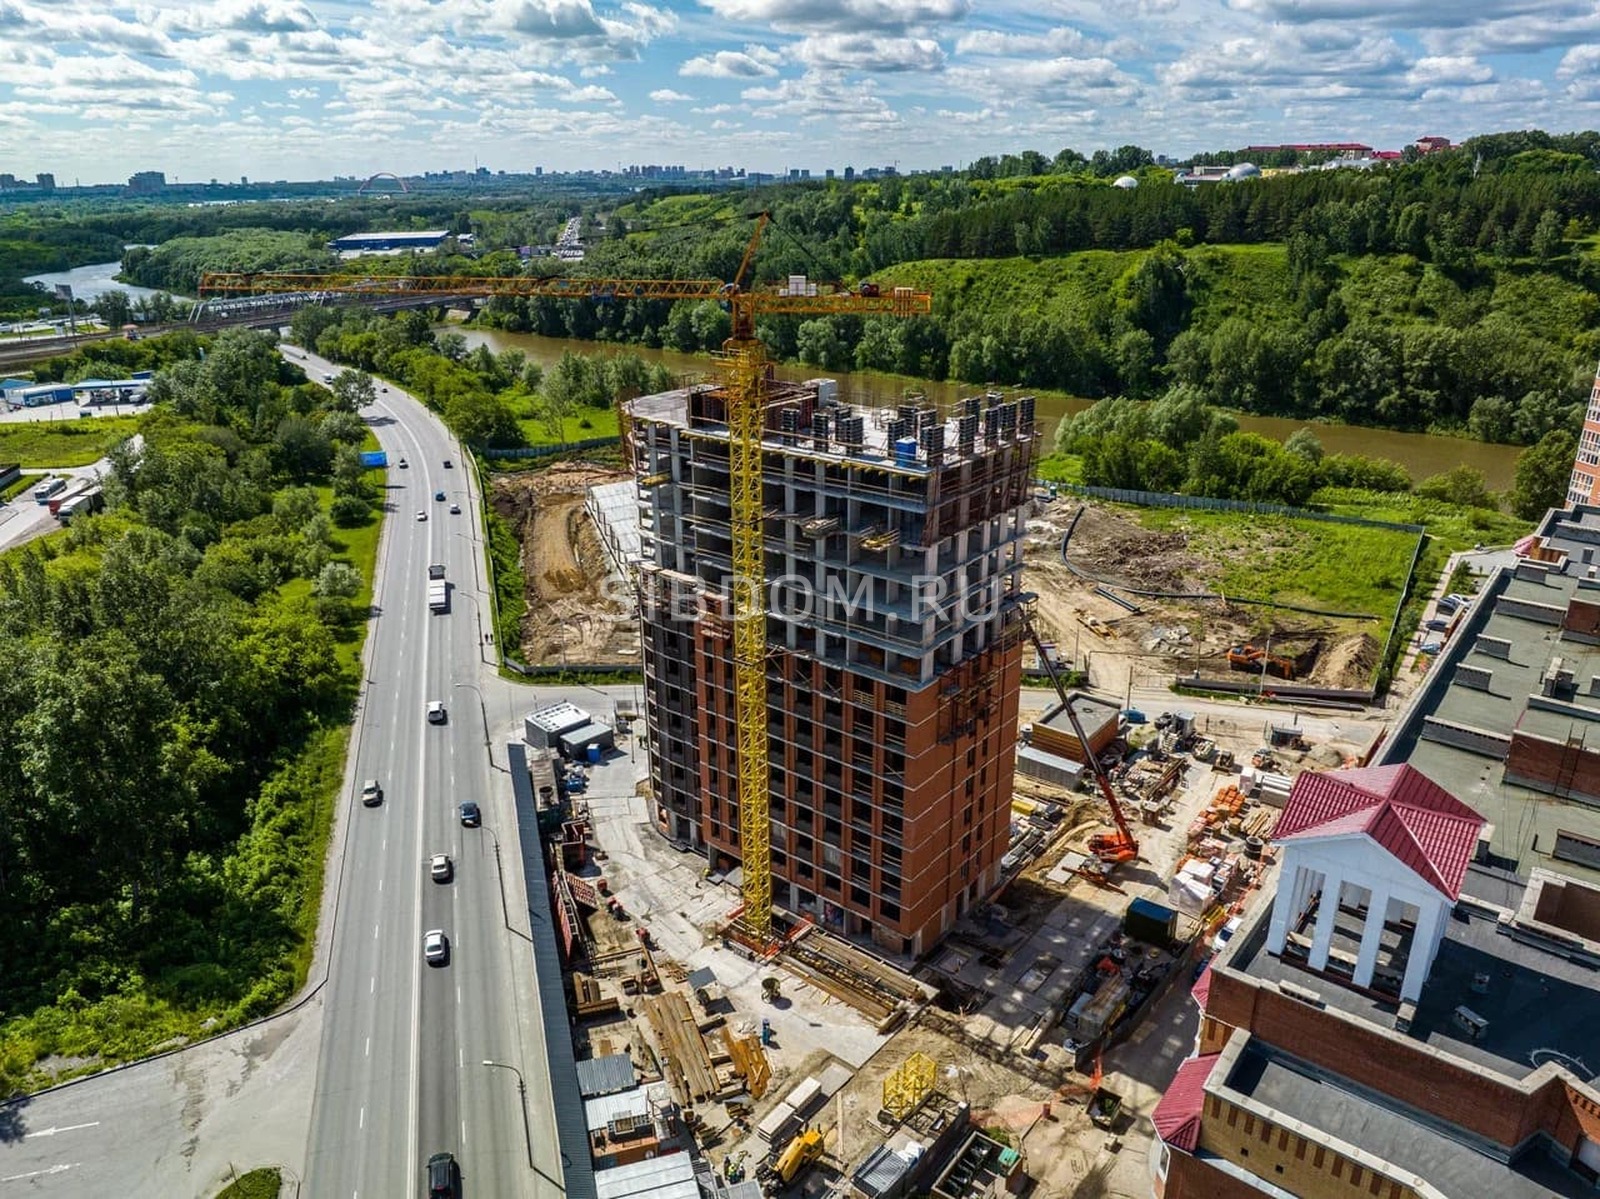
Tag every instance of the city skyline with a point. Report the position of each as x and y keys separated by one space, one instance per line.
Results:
x=307 y=89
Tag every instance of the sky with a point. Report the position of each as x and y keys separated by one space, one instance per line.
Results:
x=93 y=90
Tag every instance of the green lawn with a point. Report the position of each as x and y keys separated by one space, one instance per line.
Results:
x=264 y=1183
x=601 y=422
x=42 y=444
x=17 y=487
x=1295 y=560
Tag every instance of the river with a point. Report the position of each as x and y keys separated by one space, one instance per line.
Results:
x=89 y=283
x=1419 y=453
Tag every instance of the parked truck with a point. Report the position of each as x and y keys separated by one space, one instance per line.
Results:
x=438 y=589
x=90 y=500
x=68 y=493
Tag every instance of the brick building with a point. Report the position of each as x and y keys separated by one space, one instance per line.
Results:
x=1415 y=1015
x=1584 y=486
x=893 y=554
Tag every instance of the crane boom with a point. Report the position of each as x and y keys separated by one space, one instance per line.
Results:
x=1124 y=846
x=744 y=363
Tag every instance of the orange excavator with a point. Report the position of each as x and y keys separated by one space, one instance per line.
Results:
x=1110 y=849
x=1253 y=657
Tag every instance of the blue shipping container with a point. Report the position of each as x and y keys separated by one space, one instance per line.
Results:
x=374 y=458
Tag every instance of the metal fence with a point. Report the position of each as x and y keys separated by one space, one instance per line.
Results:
x=560 y=447
x=1162 y=499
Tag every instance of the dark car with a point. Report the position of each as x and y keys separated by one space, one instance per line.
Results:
x=441 y=1176
x=470 y=816
x=447 y=464
x=439 y=495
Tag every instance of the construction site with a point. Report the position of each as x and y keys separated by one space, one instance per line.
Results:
x=929 y=1009
x=1142 y=604
x=572 y=617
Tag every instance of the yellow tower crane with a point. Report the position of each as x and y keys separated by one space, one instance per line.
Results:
x=744 y=363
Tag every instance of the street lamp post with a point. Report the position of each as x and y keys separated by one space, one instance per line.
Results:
x=483 y=710
x=522 y=1097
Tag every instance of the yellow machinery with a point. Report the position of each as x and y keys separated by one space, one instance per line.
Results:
x=797 y=1155
x=908 y=1084
x=744 y=363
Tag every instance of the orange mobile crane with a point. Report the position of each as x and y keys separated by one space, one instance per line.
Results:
x=744 y=368
x=1110 y=849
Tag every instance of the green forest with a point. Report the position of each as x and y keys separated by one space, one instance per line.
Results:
x=178 y=674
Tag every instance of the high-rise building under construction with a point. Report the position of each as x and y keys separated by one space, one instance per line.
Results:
x=893 y=548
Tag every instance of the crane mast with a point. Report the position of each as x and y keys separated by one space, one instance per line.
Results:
x=743 y=361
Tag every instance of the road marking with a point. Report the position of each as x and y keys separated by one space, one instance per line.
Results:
x=458 y=995
x=372 y=987
x=361 y=1121
x=375 y=929
x=369 y=1047
x=463 y=1136
x=380 y=886
x=50 y=1132
x=461 y=1058
x=56 y=1169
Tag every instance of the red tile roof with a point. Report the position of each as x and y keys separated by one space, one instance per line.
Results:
x=1201 y=991
x=1177 y=1116
x=1399 y=807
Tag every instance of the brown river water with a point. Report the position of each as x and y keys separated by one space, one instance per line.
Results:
x=1419 y=453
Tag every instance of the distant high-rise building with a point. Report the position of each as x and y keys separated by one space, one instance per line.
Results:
x=1584 y=487
x=144 y=182
x=849 y=172
x=47 y=182
x=8 y=181
x=244 y=180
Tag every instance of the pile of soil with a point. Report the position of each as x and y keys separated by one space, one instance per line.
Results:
x=1348 y=663
x=1117 y=549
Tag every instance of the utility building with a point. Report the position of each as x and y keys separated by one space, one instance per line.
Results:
x=893 y=550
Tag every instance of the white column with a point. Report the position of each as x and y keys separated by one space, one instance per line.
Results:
x=1285 y=906
x=1371 y=936
x=1327 y=910
x=1424 y=944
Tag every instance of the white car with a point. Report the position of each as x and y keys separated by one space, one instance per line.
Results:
x=436 y=711
x=435 y=947
x=441 y=867
x=422 y=516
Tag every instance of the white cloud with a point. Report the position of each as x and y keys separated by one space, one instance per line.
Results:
x=752 y=62
x=1436 y=71
x=859 y=52
x=665 y=95
x=995 y=43
x=846 y=15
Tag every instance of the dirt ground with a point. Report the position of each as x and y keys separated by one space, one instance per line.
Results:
x=1168 y=637
x=570 y=617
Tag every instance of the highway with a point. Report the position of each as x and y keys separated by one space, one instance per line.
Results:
x=400 y=1073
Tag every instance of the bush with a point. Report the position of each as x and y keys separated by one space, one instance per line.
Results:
x=349 y=511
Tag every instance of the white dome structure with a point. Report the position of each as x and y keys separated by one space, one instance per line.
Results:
x=1126 y=183
x=1243 y=170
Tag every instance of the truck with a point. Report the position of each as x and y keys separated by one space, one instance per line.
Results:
x=438 y=595
x=71 y=492
x=91 y=500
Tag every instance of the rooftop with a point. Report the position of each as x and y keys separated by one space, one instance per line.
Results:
x=670 y=1176
x=1398 y=807
x=1394 y=1135
x=1538 y=1005
x=559 y=718
x=1093 y=714
x=1486 y=685
x=877 y=446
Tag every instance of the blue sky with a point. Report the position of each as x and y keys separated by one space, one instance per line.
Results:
x=304 y=89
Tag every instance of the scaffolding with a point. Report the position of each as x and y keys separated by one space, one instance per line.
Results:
x=908 y=1084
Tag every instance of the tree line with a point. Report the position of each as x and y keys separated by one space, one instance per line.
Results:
x=177 y=700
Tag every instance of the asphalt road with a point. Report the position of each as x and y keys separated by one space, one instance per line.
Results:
x=400 y=1075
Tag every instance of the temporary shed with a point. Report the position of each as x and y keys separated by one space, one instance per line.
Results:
x=543 y=728
x=576 y=742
